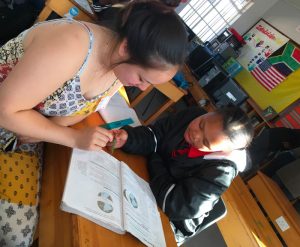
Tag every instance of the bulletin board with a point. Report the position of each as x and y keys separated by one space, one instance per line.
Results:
x=273 y=50
x=261 y=41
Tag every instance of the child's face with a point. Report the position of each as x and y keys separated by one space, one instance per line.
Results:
x=206 y=134
x=136 y=76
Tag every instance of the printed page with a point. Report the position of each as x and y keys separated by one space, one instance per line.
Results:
x=118 y=109
x=93 y=189
x=141 y=216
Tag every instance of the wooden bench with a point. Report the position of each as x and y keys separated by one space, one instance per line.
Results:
x=278 y=208
x=245 y=223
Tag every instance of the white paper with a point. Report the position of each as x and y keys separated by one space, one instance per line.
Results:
x=141 y=218
x=107 y=192
x=117 y=109
x=282 y=223
x=93 y=188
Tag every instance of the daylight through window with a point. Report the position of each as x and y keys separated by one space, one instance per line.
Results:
x=207 y=18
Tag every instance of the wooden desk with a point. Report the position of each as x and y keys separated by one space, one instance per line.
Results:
x=58 y=228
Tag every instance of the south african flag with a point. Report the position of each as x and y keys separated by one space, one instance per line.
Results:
x=286 y=59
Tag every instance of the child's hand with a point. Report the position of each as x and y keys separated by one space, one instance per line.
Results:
x=120 y=136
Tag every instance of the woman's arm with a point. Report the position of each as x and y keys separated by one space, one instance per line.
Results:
x=48 y=62
x=67 y=120
x=62 y=121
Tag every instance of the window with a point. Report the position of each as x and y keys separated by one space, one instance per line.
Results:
x=207 y=18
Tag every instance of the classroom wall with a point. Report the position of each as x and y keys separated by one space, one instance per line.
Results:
x=286 y=18
x=253 y=14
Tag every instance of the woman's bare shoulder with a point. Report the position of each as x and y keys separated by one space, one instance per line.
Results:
x=66 y=33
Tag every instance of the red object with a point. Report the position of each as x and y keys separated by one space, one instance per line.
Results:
x=194 y=153
x=191 y=152
x=291 y=119
x=296 y=55
x=4 y=70
x=237 y=35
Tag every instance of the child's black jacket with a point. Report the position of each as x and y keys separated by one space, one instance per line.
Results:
x=185 y=188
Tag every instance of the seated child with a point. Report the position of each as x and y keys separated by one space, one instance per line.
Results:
x=193 y=157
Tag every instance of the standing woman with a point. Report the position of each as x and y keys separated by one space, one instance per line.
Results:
x=58 y=72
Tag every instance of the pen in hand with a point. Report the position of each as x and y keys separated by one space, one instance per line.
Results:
x=113 y=146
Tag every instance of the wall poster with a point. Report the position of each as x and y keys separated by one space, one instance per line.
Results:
x=261 y=41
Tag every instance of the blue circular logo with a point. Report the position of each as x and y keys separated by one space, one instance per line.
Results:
x=74 y=11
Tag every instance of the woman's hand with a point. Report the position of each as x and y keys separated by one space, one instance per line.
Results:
x=121 y=137
x=93 y=138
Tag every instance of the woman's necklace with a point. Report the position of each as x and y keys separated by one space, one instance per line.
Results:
x=110 y=87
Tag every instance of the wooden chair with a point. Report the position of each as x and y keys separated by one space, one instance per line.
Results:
x=169 y=89
x=61 y=7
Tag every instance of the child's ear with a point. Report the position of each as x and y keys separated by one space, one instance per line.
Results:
x=123 y=49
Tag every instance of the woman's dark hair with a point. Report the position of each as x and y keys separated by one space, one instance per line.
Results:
x=171 y=3
x=236 y=125
x=156 y=36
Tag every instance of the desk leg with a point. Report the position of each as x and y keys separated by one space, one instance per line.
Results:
x=160 y=111
x=44 y=14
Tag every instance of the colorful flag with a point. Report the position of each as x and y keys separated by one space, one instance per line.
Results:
x=287 y=59
x=267 y=75
x=291 y=119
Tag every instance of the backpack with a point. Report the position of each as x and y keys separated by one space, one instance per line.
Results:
x=15 y=17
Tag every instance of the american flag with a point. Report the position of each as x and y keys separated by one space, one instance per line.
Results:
x=267 y=75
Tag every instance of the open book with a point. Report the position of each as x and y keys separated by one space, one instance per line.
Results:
x=107 y=192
